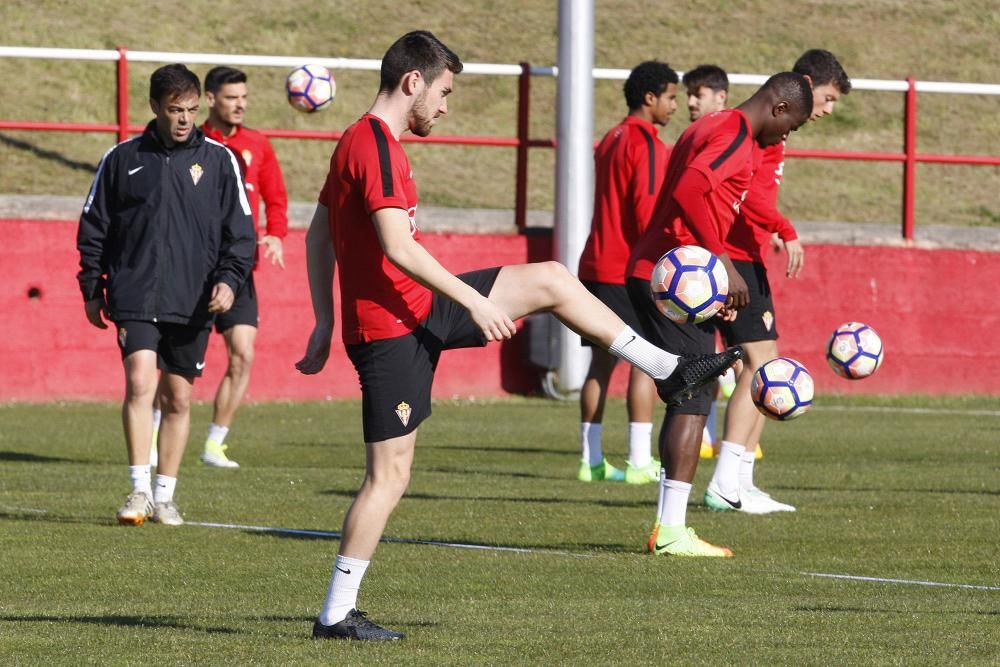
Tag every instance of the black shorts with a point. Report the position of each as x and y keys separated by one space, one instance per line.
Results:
x=180 y=349
x=616 y=298
x=396 y=373
x=244 y=310
x=675 y=338
x=756 y=322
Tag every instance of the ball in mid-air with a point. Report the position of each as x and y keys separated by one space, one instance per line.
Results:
x=310 y=88
x=854 y=351
x=689 y=284
x=782 y=389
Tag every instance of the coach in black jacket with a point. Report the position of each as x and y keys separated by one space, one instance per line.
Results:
x=166 y=239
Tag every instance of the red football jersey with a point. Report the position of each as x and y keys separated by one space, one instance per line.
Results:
x=630 y=163
x=719 y=146
x=750 y=237
x=369 y=171
x=261 y=175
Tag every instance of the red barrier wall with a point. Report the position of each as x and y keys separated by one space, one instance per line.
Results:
x=928 y=305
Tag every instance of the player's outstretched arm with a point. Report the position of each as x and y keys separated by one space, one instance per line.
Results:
x=320 y=263
x=393 y=228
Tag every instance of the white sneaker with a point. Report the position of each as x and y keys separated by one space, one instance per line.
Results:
x=137 y=508
x=168 y=514
x=756 y=501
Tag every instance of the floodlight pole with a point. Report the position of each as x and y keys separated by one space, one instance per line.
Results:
x=574 y=163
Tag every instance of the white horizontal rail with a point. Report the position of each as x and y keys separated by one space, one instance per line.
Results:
x=471 y=68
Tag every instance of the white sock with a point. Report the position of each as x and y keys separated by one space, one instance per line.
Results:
x=141 y=480
x=640 y=443
x=217 y=433
x=662 y=492
x=675 y=502
x=746 y=469
x=590 y=443
x=726 y=477
x=164 y=491
x=157 y=415
x=651 y=360
x=342 y=595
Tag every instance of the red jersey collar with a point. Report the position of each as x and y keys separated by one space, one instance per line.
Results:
x=215 y=134
x=641 y=122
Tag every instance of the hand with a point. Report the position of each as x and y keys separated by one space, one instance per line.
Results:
x=222 y=298
x=796 y=258
x=492 y=321
x=739 y=293
x=726 y=314
x=317 y=350
x=93 y=309
x=273 y=250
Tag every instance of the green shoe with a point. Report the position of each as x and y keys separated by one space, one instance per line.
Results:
x=646 y=474
x=717 y=502
x=602 y=472
x=682 y=541
x=214 y=455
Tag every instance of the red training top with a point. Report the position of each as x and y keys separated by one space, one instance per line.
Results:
x=261 y=175
x=369 y=171
x=750 y=237
x=630 y=163
x=717 y=150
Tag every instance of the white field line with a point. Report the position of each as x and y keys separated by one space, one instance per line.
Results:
x=910 y=411
x=912 y=582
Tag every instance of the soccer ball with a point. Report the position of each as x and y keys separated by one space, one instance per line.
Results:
x=782 y=389
x=689 y=284
x=310 y=88
x=854 y=351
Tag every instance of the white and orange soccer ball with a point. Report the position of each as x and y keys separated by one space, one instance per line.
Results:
x=854 y=351
x=782 y=389
x=310 y=88
x=689 y=284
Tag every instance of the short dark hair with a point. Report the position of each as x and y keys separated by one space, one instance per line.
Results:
x=651 y=76
x=794 y=88
x=706 y=76
x=217 y=77
x=171 y=81
x=418 y=50
x=824 y=69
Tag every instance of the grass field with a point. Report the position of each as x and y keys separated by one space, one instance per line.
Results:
x=926 y=39
x=902 y=489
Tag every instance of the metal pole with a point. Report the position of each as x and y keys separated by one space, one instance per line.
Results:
x=574 y=162
x=910 y=163
x=523 y=134
x=122 y=94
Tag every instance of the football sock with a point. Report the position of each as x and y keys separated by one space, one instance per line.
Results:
x=726 y=477
x=746 y=469
x=141 y=480
x=651 y=360
x=640 y=443
x=661 y=492
x=590 y=443
x=342 y=595
x=675 y=500
x=157 y=415
x=164 y=491
x=217 y=433
x=711 y=424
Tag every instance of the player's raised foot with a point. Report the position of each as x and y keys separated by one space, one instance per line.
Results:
x=168 y=514
x=137 y=508
x=756 y=501
x=646 y=474
x=214 y=455
x=716 y=501
x=355 y=626
x=602 y=472
x=682 y=541
x=651 y=542
x=695 y=371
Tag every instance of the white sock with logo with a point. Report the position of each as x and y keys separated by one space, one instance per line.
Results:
x=640 y=443
x=164 y=491
x=141 y=479
x=342 y=595
x=217 y=433
x=651 y=360
x=590 y=443
x=746 y=469
x=726 y=478
x=675 y=502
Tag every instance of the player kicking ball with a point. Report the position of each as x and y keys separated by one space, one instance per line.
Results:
x=400 y=309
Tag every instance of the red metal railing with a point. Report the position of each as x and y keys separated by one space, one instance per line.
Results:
x=523 y=142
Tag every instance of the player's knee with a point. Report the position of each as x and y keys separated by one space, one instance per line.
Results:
x=240 y=361
x=555 y=279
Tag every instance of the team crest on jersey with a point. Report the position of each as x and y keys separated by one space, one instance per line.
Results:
x=247 y=157
x=403 y=412
x=122 y=336
x=768 y=319
x=196 y=172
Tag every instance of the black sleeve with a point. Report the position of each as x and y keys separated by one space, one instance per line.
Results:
x=239 y=240
x=92 y=233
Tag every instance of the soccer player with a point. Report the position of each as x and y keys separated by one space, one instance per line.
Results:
x=400 y=308
x=707 y=179
x=755 y=328
x=707 y=88
x=629 y=166
x=166 y=241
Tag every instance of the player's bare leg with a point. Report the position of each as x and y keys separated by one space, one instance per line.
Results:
x=240 y=340
x=137 y=422
x=642 y=467
x=593 y=465
x=175 y=426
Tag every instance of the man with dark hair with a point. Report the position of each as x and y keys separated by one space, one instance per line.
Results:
x=732 y=485
x=401 y=309
x=707 y=90
x=226 y=94
x=629 y=166
x=707 y=179
x=166 y=241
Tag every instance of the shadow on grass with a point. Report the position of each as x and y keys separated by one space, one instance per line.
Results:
x=27 y=457
x=600 y=502
x=45 y=154
x=504 y=450
x=844 y=489
x=907 y=612
x=121 y=621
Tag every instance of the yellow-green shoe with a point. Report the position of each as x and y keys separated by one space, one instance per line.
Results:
x=214 y=455
x=646 y=474
x=682 y=541
x=602 y=472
